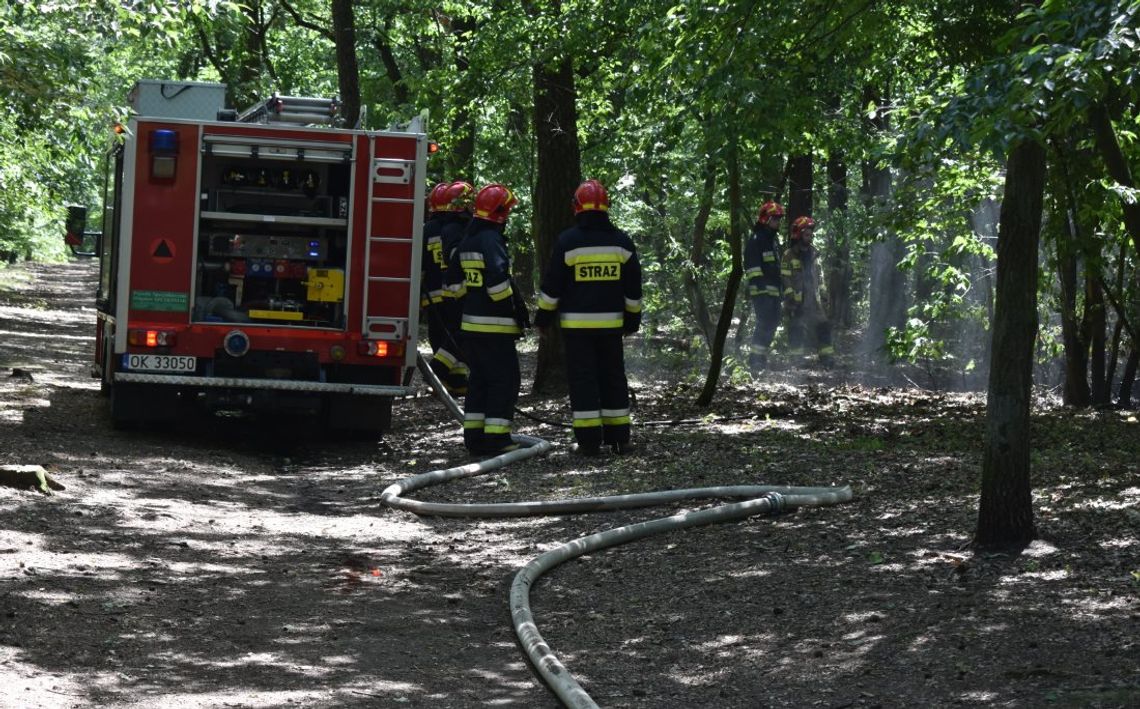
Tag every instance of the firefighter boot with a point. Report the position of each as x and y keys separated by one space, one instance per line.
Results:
x=757 y=363
x=586 y=451
x=627 y=448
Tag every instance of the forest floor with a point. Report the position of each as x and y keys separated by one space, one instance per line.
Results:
x=228 y=562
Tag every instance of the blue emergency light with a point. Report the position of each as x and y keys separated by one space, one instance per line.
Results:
x=163 y=154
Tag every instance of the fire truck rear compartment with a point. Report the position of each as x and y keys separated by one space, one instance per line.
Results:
x=272 y=238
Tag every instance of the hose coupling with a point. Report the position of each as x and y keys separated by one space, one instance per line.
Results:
x=777 y=503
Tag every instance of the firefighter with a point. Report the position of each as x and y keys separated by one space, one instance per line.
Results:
x=762 y=269
x=448 y=362
x=431 y=265
x=490 y=323
x=803 y=305
x=593 y=283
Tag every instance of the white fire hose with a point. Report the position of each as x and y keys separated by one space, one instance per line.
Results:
x=759 y=499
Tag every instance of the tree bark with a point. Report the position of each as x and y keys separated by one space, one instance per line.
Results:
x=347 y=69
x=1005 y=512
x=1128 y=378
x=695 y=264
x=839 y=260
x=799 y=187
x=559 y=174
x=1096 y=323
x=1117 y=166
x=888 y=303
x=1075 y=391
x=735 y=241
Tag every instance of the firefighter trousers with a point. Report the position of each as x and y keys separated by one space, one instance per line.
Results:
x=599 y=392
x=807 y=325
x=767 y=309
x=448 y=361
x=492 y=392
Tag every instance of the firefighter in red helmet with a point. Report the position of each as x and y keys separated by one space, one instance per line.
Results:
x=803 y=303
x=431 y=265
x=762 y=271
x=593 y=285
x=491 y=321
x=448 y=361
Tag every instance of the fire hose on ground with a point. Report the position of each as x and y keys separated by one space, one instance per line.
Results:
x=757 y=500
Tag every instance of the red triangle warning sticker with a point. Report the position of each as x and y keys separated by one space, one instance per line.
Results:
x=162 y=251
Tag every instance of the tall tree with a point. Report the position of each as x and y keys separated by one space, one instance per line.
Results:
x=559 y=174
x=1005 y=512
x=887 y=289
x=347 y=69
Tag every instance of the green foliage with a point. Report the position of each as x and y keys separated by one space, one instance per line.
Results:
x=932 y=90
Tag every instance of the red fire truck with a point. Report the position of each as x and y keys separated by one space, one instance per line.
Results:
x=258 y=261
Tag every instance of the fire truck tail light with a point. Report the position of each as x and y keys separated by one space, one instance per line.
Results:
x=380 y=348
x=151 y=338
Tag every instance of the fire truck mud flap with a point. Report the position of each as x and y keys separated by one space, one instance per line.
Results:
x=134 y=404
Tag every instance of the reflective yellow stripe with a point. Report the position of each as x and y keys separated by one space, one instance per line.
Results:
x=591 y=324
x=597 y=254
x=499 y=329
x=615 y=420
x=587 y=423
x=500 y=292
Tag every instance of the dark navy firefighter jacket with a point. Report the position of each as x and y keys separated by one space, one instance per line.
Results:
x=762 y=262
x=593 y=280
x=480 y=273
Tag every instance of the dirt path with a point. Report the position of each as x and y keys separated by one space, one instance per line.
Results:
x=218 y=566
x=234 y=563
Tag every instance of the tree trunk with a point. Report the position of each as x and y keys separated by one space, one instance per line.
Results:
x=735 y=243
x=695 y=264
x=461 y=155
x=839 y=260
x=347 y=69
x=559 y=174
x=1075 y=391
x=888 y=302
x=1117 y=167
x=1005 y=511
x=1096 y=325
x=799 y=187
x=1128 y=378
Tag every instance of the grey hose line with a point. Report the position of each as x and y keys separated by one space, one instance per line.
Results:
x=553 y=672
x=764 y=499
x=440 y=391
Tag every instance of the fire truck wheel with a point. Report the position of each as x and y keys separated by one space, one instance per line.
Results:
x=105 y=371
x=133 y=404
x=357 y=416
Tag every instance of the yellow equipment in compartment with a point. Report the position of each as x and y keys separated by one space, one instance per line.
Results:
x=325 y=285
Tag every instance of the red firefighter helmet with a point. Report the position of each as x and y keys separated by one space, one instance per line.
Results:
x=800 y=224
x=591 y=196
x=459 y=196
x=494 y=203
x=769 y=209
x=437 y=198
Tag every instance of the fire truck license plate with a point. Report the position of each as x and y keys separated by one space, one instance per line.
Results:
x=159 y=363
